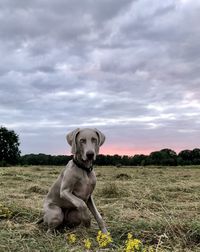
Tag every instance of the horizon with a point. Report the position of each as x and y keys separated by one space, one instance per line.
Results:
x=128 y=68
x=113 y=153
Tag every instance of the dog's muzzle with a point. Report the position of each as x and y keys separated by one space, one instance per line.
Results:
x=90 y=155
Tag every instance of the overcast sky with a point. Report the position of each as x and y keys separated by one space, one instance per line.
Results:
x=129 y=68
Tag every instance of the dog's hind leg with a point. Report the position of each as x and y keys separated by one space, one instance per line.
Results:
x=53 y=217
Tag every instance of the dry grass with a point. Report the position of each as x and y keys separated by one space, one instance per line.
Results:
x=148 y=202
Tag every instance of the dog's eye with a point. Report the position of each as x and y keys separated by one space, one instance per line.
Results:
x=94 y=140
x=82 y=140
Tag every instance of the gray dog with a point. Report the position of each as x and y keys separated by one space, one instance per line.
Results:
x=71 y=194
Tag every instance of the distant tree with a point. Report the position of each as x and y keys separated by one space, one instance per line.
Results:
x=101 y=160
x=169 y=157
x=162 y=157
x=138 y=159
x=43 y=159
x=185 y=157
x=9 y=147
x=195 y=156
x=125 y=160
x=117 y=160
x=154 y=158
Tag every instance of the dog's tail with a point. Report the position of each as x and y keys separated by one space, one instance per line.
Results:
x=39 y=221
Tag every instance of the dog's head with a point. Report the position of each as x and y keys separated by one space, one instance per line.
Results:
x=85 y=143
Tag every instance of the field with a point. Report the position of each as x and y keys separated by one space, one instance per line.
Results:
x=159 y=206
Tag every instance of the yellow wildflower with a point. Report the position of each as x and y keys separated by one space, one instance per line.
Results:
x=5 y=212
x=71 y=238
x=132 y=245
x=148 y=249
x=130 y=236
x=103 y=239
x=151 y=249
x=87 y=243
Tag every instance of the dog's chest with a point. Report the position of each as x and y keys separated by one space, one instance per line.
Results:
x=85 y=186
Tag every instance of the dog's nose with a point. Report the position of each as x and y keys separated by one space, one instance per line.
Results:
x=90 y=155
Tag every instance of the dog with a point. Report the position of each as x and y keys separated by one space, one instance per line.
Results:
x=70 y=197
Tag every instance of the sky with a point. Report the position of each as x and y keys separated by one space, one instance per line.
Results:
x=128 y=68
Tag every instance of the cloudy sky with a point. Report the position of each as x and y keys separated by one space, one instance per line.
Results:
x=128 y=68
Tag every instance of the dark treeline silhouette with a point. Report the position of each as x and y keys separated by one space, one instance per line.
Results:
x=43 y=159
x=163 y=157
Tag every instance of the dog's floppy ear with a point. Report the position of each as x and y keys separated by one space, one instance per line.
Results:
x=71 y=139
x=101 y=137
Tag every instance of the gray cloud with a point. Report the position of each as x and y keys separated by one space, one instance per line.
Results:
x=129 y=68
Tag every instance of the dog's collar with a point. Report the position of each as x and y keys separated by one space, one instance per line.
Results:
x=81 y=166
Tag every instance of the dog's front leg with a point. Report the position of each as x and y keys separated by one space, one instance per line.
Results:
x=76 y=202
x=96 y=214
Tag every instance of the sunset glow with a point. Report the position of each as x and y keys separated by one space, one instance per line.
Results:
x=112 y=150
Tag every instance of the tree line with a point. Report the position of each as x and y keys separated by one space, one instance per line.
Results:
x=10 y=155
x=163 y=157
